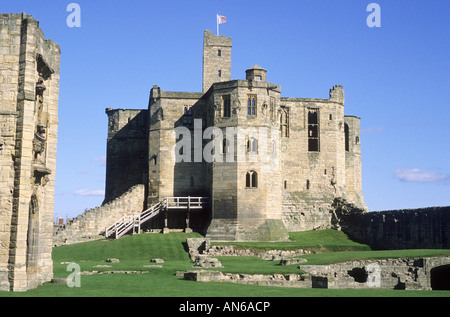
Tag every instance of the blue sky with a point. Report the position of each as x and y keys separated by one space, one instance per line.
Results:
x=396 y=78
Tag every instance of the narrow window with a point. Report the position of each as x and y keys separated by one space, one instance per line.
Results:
x=226 y=106
x=187 y=118
x=272 y=108
x=357 y=140
x=219 y=53
x=313 y=130
x=347 y=137
x=251 y=105
x=219 y=73
x=251 y=179
x=225 y=146
x=285 y=184
x=284 y=121
x=308 y=184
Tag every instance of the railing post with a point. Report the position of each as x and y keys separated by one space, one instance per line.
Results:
x=187 y=229
x=139 y=223
x=166 y=214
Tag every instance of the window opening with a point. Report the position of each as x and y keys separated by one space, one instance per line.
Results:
x=252 y=145
x=187 y=118
x=347 y=139
x=251 y=179
x=313 y=130
x=225 y=146
x=226 y=106
x=251 y=105
x=284 y=122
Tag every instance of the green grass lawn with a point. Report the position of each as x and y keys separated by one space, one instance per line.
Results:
x=136 y=251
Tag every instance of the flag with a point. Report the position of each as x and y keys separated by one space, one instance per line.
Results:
x=221 y=19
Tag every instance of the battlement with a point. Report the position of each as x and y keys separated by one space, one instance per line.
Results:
x=337 y=94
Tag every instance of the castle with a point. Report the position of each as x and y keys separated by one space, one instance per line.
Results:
x=269 y=164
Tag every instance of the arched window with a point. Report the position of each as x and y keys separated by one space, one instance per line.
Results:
x=252 y=145
x=251 y=179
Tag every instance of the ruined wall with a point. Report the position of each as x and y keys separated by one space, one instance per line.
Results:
x=316 y=165
x=92 y=223
x=29 y=88
x=425 y=228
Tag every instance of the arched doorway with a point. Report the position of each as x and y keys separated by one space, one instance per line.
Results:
x=440 y=277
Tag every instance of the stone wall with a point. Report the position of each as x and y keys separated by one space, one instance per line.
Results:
x=91 y=224
x=127 y=151
x=216 y=59
x=424 y=228
x=29 y=88
x=402 y=273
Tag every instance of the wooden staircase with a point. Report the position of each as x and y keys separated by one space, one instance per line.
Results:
x=133 y=222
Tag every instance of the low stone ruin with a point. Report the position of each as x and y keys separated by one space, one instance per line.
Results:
x=202 y=246
x=400 y=273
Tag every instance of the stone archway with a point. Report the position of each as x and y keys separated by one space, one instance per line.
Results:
x=440 y=277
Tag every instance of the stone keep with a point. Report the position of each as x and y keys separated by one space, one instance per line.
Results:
x=29 y=88
x=279 y=164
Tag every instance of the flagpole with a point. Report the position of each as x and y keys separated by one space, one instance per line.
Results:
x=217 y=21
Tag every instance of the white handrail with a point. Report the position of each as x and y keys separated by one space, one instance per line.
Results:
x=125 y=223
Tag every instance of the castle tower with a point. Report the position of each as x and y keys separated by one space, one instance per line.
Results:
x=29 y=88
x=216 y=59
x=353 y=161
x=245 y=184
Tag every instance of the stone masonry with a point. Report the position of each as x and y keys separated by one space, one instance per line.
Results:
x=277 y=162
x=92 y=223
x=401 y=274
x=29 y=88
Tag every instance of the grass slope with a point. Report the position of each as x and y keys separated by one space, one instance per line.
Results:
x=136 y=251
